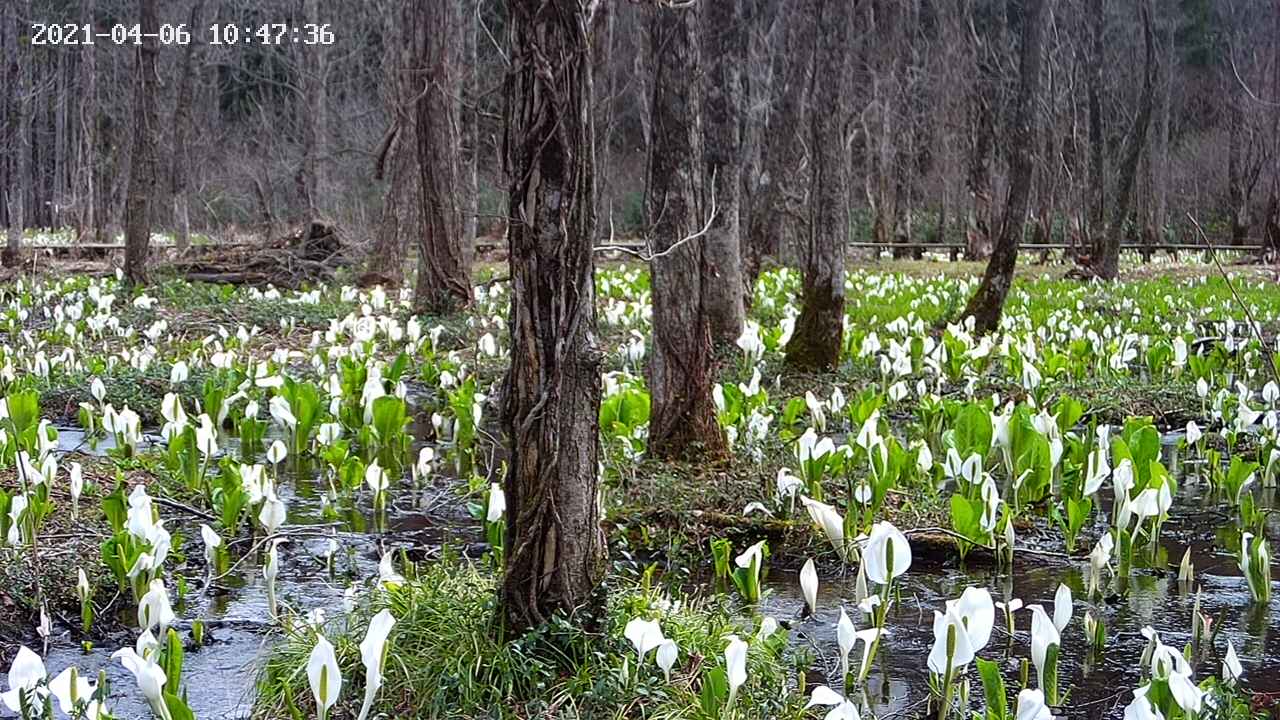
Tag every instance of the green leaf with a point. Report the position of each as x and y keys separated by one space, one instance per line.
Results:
x=172 y=662
x=116 y=508
x=1051 y=675
x=1068 y=411
x=715 y=692
x=178 y=710
x=993 y=689
x=973 y=430
x=721 y=548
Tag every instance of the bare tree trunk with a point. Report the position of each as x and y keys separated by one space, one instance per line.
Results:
x=1271 y=224
x=604 y=58
x=556 y=549
x=1097 y=13
x=724 y=42
x=181 y=124
x=681 y=368
x=400 y=218
x=819 y=330
x=142 y=158
x=444 y=282
x=779 y=209
x=1166 y=114
x=20 y=137
x=470 y=126
x=312 y=175
x=759 y=81
x=1107 y=265
x=88 y=161
x=987 y=302
x=1237 y=197
x=988 y=26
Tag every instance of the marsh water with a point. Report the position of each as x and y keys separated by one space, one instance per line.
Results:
x=220 y=675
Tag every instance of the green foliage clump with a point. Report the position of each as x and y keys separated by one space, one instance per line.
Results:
x=449 y=657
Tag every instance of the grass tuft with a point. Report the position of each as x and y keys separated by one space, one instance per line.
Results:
x=447 y=657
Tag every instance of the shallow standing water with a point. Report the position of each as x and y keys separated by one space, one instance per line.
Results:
x=1096 y=685
x=220 y=675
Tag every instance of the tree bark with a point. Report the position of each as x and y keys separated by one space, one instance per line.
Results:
x=683 y=419
x=20 y=174
x=181 y=124
x=1166 y=116
x=988 y=24
x=1271 y=223
x=819 y=330
x=1107 y=264
x=1097 y=14
x=1236 y=196
x=469 y=119
x=759 y=81
x=312 y=177
x=555 y=557
x=90 y=222
x=400 y=218
x=987 y=302
x=142 y=158
x=725 y=45
x=780 y=207
x=444 y=280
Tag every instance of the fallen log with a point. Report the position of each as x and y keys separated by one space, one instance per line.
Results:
x=311 y=255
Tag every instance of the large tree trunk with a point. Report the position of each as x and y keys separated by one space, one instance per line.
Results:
x=1107 y=265
x=181 y=123
x=988 y=301
x=725 y=45
x=444 y=280
x=555 y=555
x=142 y=158
x=681 y=368
x=779 y=207
x=819 y=330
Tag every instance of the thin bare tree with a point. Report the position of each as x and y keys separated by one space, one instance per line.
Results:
x=142 y=157
x=987 y=303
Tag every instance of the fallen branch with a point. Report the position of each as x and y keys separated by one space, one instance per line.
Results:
x=175 y=505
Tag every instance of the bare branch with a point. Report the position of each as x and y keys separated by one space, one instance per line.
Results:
x=650 y=255
x=1231 y=55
